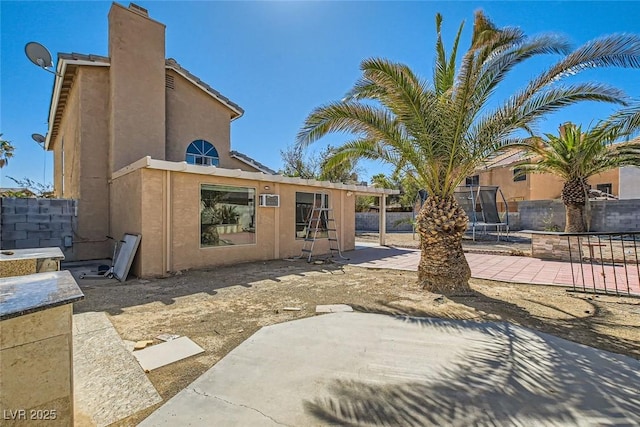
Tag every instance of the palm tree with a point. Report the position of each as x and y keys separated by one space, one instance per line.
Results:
x=574 y=156
x=6 y=152
x=439 y=132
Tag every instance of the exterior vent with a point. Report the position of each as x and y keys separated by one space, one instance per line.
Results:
x=270 y=200
x=139 y=9
x=169 y=82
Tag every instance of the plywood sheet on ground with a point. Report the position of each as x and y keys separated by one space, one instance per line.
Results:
x=168 y=352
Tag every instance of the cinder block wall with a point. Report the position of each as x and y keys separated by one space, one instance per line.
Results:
x=606 y=215
x=36 y=223
x=368 y=221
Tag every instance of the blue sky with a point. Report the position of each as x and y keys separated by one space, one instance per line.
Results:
x=279 y=60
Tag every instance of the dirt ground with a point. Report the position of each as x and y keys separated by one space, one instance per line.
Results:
x=221 y=307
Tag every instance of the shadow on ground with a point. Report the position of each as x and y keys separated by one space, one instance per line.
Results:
x=584 y=330
x=520 y=377
x=113 y=296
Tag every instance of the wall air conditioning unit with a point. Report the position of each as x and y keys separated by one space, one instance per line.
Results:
x=270 y=200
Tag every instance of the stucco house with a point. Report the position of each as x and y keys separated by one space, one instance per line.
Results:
x=144 y=146
x=501 y=170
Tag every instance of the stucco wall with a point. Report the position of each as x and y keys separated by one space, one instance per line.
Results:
x=629 y=179
x=192 y=114
x=539 y=186
x=139 y=205
x=137 y=95
x=82 y=141
x=503 y=177
x=609 y=177
x=126 y=211
x=153 y=221
x=92 y=168
x=544 y=186
x=66 y=147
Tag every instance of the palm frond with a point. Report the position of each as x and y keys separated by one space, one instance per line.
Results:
x=515 y=113
x=349 y=117
x=497 y=67
x=623 y=123
x=618 y=50
x=443 y=130
x=445 y=68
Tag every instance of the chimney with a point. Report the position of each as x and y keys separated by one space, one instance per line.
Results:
x=137 y=86
x=139 y=9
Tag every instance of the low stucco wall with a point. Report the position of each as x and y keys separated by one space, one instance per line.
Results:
x=36 y=361
x=164 y=207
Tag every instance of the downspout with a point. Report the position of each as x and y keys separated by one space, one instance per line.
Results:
x=276 y=220
x=342 y=220
x=383 y=218
x=168 y=238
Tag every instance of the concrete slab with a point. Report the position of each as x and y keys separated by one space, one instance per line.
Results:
x=333 y=308
x=369 y=369
x=108 y=381
x=167 y=352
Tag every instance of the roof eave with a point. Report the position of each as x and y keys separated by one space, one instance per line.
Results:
x=149 y=163
x=61 y=70
x=261 y=168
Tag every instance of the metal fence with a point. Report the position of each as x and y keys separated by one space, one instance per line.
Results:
x=605 y=263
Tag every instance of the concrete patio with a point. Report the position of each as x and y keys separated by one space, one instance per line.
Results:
x=372 y=369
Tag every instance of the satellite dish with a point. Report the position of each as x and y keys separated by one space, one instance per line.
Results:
x=40 y=139
x=38 y=54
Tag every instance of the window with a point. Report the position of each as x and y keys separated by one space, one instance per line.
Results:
x=201 y=152
x=305 y=202
x=472 y=180
x=605 y=188
x=517 y=178
x=227 y=215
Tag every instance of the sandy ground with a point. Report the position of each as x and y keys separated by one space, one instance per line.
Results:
x=221 y=307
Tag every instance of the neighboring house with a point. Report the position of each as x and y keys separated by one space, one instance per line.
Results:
x=501 y=170
x=16 y=192
x=629 y=183
x=144 y=146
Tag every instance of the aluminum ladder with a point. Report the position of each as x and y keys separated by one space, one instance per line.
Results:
x=317 y=218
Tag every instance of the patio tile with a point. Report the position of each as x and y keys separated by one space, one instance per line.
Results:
x=504 y=268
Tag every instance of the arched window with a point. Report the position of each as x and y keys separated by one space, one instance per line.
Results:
x=201 y=152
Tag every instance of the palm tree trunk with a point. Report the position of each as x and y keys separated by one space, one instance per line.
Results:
x=574 y=218
x=574 y=199
x=443 y=267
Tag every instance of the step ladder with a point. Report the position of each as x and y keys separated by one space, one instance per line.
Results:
x=317 y=218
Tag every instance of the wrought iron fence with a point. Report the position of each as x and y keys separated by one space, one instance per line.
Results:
x=605 y=263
